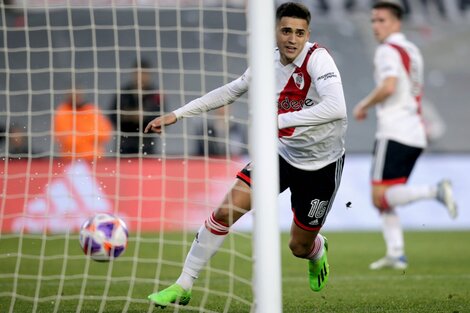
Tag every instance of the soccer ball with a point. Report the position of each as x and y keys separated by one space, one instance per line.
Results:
x=103 y=237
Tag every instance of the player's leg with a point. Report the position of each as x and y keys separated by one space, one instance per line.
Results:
x=212 y=234
x=387 y=198
x=311 y=203
x=208 y=240
x=402 y=194
x=392 y=233
x=392 y=166
x=401 y=160
x=312 y=246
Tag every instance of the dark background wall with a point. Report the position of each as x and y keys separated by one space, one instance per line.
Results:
x=44 y=52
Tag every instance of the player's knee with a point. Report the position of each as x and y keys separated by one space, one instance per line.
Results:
x=380 y=202
x=227 y=215
x=379 y=197
x=377 y=204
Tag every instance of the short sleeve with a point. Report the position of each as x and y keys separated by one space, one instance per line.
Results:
x=387 y=62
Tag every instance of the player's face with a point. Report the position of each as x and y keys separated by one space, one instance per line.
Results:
x=384 y=23
x=142 y=77
x=291 y=35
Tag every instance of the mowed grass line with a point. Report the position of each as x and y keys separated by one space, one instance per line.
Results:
x=438 y=278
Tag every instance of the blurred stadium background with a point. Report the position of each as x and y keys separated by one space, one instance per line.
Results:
x=49 y=45
x=43 y=49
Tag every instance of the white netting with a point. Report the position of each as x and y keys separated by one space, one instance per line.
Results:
x=164 y=188
x=48 y=47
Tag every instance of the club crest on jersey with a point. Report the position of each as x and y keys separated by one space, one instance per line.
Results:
x=299 y=80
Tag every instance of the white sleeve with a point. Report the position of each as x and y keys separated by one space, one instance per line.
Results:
x=387 y=62
x=322 y=69
x=216 y=98
x=332 y=107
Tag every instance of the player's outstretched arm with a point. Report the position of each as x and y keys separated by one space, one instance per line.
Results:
x=156 y=125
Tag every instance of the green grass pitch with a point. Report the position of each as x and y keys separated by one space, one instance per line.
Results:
x=438 y=278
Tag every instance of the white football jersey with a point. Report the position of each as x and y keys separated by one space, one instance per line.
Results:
x=312 y=110
x=399 y=117
x=311 y=107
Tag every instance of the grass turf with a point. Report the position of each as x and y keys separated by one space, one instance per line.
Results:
x=63 y=280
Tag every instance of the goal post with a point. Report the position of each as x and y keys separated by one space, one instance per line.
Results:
x=48 y=48
x=267 y=265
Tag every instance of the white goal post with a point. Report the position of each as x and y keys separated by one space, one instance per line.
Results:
x=267 y=253
x=49 y=48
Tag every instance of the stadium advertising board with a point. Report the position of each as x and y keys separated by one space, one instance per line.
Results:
x=57 y=197
x=175 y=194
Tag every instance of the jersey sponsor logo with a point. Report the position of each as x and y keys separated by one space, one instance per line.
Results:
x=327 y=76
x=294 y=105
x=294 y=95
x=299 y=80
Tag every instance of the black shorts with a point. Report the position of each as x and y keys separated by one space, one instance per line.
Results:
x=393 y=162
x=312 y=192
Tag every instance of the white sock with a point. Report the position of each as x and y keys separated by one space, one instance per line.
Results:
x=393 y=234
x=208 y=240
x=317 y=250
x=403 y=194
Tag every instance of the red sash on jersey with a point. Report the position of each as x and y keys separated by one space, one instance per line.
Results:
x=295 y=92
x=406 y=60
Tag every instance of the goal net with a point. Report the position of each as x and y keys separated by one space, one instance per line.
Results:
x=79 y=81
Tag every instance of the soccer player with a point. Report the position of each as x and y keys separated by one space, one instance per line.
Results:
x=138 y=100
x=312 y=124
x=400 y=136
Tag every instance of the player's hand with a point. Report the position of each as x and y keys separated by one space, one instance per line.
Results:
x=157 y=124
x=360 y=111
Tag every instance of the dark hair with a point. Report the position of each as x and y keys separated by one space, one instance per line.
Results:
x=142 y=64
x=293 y=9
x=394 y=7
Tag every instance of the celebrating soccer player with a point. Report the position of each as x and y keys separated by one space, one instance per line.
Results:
x=312 y=124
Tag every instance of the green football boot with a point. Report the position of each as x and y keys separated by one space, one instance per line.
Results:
x=173 y=294
x=319 y=270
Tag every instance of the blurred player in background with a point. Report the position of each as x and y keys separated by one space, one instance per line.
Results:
x=401 y=135
x=312 y=124
x=133 y=108
x=81 y=129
